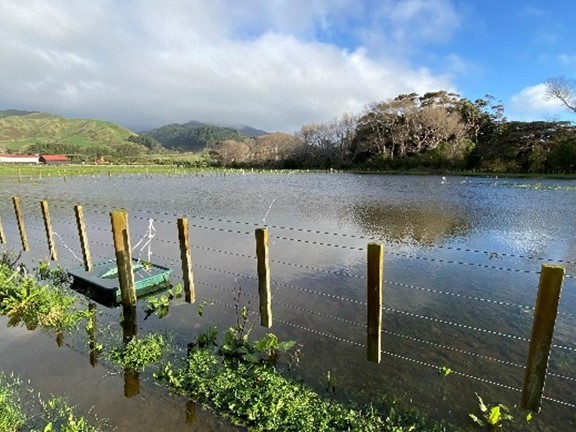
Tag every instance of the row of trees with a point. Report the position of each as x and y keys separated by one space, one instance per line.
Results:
x=438 y=130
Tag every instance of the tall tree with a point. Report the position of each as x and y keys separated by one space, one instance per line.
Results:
x=564 y=90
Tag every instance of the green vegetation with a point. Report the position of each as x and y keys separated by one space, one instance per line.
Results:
x=192 y=136
x=238 y=381
x=37 y=415
x=160 y=305
x=492 y=416
x=139 y=353
x=26 y=301
x=81 y=139
x=11 y=415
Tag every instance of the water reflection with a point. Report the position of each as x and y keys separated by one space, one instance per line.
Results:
x=475 y=250
x=423 y=223
x=129 y=331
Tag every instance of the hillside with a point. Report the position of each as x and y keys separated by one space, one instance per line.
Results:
x=195 y=136
x=22 y=131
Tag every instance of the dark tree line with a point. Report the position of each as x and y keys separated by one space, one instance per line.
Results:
x=436 y=131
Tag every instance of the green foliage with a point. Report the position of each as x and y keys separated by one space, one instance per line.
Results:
x=257 y=396
x=53 y=415
x=139 y=353
x=160 y=305
x=47 y=133
x=59 y=416
x=192 y=136
x=57 y=276
x=11 y=415
x=26 y=302
x=491 y=416
x=445 y=371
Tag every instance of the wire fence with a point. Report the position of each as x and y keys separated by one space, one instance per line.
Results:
x=463 y=324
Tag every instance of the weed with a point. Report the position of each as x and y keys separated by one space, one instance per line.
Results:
x=139 y=353
x=492 y=416
x=11 y=415
x=23 y=300
x=52 y=415
x=57 y=276
x=160 y=305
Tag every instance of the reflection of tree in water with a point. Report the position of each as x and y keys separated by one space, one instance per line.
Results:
x=420 y=222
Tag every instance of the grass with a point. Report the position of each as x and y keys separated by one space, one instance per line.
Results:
x=11 y=414
x=18 y=132
x=252 y=393
x=37 y=415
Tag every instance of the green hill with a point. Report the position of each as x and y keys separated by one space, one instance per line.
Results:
x=194 y=135
x=24 y=131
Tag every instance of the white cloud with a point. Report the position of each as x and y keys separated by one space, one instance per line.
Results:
x=531 y=103
x=567 y=59
x=255 y=62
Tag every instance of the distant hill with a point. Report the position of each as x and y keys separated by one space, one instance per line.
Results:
x=22 y=131
x=250 y=131
x=15 y=112
x=195 y=136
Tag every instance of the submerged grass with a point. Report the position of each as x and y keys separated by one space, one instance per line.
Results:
x=34 y=414
x=244 y=385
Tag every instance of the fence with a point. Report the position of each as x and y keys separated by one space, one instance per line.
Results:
x=376 y=309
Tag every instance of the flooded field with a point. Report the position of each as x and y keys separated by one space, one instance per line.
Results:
x=461 y=268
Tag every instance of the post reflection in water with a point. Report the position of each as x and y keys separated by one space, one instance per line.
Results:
x=91 y=330
x=129 y=331
x=190 y=412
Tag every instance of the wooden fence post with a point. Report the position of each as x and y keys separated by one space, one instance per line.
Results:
x=263 y=265
x=2 y=235
x=119 y=219
x=48 y=227
x=83 y=238
x=186 y=257
x=375 y=261
x=549 y=290
x=21 y=227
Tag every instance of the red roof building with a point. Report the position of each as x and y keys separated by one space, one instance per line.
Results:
x=54 y=159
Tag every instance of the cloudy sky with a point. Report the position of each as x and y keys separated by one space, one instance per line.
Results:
x=276 y=64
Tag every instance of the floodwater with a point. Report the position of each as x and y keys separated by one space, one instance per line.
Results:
x=461 y=269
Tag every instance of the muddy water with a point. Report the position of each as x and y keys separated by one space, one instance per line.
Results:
x=462 y=257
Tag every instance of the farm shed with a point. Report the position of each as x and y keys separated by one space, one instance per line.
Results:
x=54 y=159
x=14 y=158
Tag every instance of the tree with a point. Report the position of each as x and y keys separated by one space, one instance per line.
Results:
x=231 y=152
x=564 y=90
x=273 y=149
x=328 y=145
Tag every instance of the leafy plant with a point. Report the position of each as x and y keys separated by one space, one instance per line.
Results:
x=160 y=305
x=444 y=371
x=139 y=353
x=260 y=398
x=57 y=276
x=491 y=416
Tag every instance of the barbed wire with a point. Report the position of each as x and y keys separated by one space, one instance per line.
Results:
x=362 y=237
x=455 y=324
x=420 y=362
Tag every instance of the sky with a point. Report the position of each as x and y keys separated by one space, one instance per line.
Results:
x=277 y=64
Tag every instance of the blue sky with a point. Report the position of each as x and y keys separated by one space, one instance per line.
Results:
x=277 y=64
